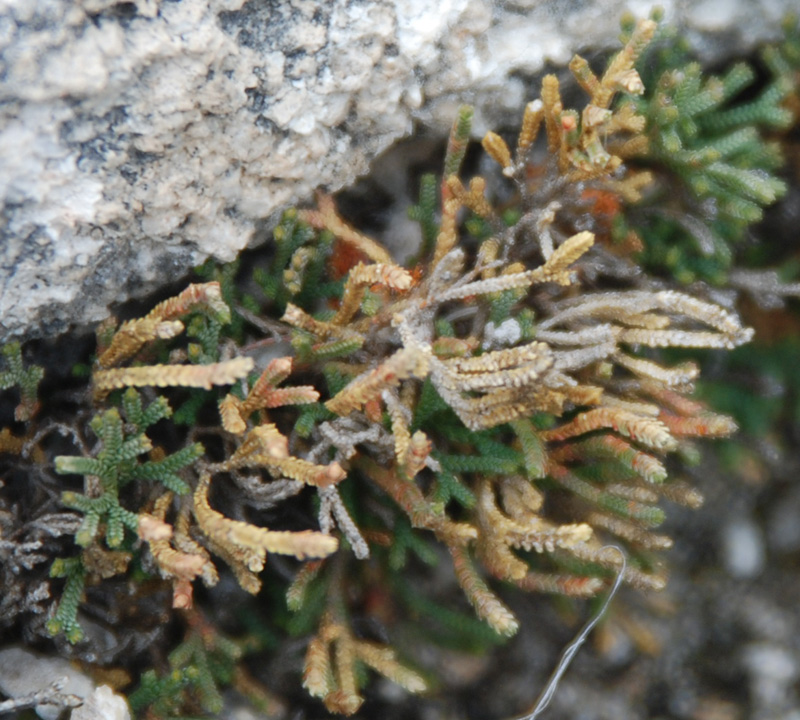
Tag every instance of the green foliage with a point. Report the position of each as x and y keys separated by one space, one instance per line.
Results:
x=307 y=605
x=430 y=404
x=424 y=212
x=770 y=397
x=188 y=412
x=783 y=59
x=477 y=227
x=65 y=618
x=166 y=696
x=647 y=515
x=534 y=456
x=27 y=379
x=405 y=540
x=226 y=275
x=459 y=139
x=163 y=695
x=297 y=272
x=140 y=417
x=443 y=625
x=309 y=417
x=502 y=305
x=205 y=661
x=449 y=487
x=310 y=352
x=481 y=464
x=706 y=136
x=335 y=378
x=117 y=464
x=207 y=332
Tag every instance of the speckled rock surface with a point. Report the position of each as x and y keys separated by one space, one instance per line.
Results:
x=23 y=672
x=138 y=138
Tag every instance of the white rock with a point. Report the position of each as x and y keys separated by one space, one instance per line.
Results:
x=744 y=547
x=102 y=704
x=773 y=670
x=23 y=672
x=138 y=138
x=505 y=334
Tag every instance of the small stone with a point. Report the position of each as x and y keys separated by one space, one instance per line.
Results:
x=23 y=672
x=506 y=334
x=102 y=704
x=744 y=548
x=773 y=671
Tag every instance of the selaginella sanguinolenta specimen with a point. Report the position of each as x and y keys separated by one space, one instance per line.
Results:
x=503 y=401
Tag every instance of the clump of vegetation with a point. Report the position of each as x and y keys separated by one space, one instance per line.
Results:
x=712 y=134
x=506 y=405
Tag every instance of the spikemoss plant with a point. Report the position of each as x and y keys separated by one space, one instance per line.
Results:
x=710 y=132
x=27 y=379
x=505 y=405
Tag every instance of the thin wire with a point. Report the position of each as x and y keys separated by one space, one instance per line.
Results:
x=571 y=650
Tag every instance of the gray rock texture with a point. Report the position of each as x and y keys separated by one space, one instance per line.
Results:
x=138 y=138
x=23 y=673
